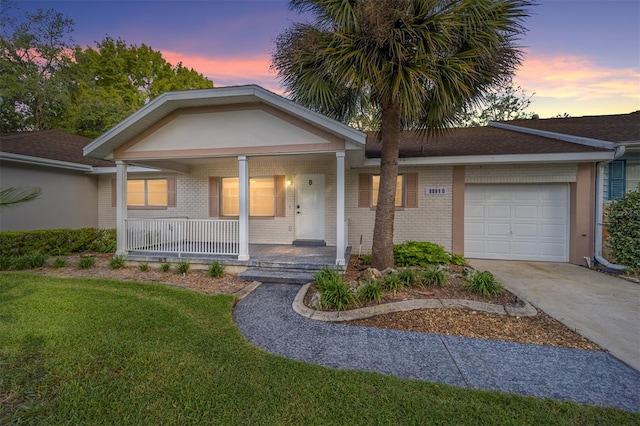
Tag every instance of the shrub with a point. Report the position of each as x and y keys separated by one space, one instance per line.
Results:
x=143 y=267
x=216 y=269
x=86 y=262
x=458 y=259
x=57 y=241
x=365 y=259
x=623 y=224
x=326 y=275
x=116 y=262
x=183 y=267
x=334 y=291
x=420 y=253
x=20 y=263
x=408 y=276
x=336 y=295
x=370 y=291
x=484 y=283
x=165 y=267
x=393 y=282
x=59 y=262
x=434 y=276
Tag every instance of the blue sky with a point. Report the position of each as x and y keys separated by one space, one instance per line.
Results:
x=582 y=56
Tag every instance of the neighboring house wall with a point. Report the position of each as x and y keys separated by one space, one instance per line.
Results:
x=68 y=200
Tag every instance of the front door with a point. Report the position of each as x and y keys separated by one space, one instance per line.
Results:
x=310 y=207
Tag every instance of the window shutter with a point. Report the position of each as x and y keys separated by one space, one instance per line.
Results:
x=617 y=175
x=171 y=192
x=280 y=195
x=214 y=197
x=411 y=190
x=114 y=194
x=364 y=190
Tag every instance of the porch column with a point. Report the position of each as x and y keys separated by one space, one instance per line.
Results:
x=341 y=243
x=243 y=182
x=121 y=207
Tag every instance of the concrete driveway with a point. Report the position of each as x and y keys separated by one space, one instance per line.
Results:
x=600 y=307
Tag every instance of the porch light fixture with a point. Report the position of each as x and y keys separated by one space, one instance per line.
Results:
x=288 y=181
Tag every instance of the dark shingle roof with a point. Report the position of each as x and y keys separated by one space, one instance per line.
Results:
x=50 y=144
x=496 y=141
x=612 y=128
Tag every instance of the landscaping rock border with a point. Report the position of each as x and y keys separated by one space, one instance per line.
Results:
x=527 y=310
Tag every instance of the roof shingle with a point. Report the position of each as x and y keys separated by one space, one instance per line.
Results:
x=50 y=144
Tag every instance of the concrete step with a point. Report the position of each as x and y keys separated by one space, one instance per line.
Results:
x=281 y=276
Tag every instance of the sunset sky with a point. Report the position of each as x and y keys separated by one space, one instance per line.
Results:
x=582 y=56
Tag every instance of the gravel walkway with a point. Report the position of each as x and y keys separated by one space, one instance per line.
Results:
x=267 y=319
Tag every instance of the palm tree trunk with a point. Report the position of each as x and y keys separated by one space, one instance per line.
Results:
x=382 y=251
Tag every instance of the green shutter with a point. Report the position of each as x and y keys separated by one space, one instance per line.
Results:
x=617 y=179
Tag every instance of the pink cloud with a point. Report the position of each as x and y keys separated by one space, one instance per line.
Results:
x=570 y=76
x=230 y=71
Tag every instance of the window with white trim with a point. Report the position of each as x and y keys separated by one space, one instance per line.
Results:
x=261 y=197
x=147 y=193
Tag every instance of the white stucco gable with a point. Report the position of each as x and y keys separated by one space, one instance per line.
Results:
x=222 y=121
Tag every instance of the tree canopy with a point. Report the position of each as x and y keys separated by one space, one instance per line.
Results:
x=506 y=102
x=418 y=63
x=47 y=81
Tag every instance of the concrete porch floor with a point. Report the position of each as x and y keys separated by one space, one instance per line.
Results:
x=283 y=256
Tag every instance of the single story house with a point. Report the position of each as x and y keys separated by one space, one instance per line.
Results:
x=237 y=166
x=53 y=161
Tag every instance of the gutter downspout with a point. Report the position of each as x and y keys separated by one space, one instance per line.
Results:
x=620 y=149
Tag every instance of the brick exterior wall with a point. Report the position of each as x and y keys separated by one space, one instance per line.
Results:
x=431 y=221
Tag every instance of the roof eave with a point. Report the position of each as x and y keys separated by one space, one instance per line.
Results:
x=39 y=161
x=499 y=159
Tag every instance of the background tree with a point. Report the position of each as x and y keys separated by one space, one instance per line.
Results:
x=108 y=83
x=506 y=102
x=33 y=48
x=417 y=62
x=46 y=81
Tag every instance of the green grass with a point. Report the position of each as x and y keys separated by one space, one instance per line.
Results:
x=88 y=352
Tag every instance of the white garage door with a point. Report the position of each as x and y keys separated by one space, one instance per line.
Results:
x=516 y=222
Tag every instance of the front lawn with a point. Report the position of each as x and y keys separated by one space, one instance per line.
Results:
x=85 y=351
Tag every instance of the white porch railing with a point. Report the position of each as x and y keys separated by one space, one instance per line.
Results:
x=194 y=236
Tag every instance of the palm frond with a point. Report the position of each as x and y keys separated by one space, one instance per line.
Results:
x=13 y=196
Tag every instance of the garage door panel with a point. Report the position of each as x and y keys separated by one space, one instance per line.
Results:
x=526 y=196
x=474 y=212
x=498 y=212
x=524 y=248
x=552 y=231
x=517 y=222
x=525 y=212
x=497 y=196
x=525 y=230
x=553 y=212
x=497 y=247
x=474 y=229
x=498 y=229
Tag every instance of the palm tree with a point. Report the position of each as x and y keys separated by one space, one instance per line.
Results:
x=418 y=63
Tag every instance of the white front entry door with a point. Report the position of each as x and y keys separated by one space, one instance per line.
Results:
x=310 y=207
x=517 y=222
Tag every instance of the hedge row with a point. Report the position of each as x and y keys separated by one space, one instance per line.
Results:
x=56 y=242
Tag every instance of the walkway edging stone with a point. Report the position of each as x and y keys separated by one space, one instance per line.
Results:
x=405 y=305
